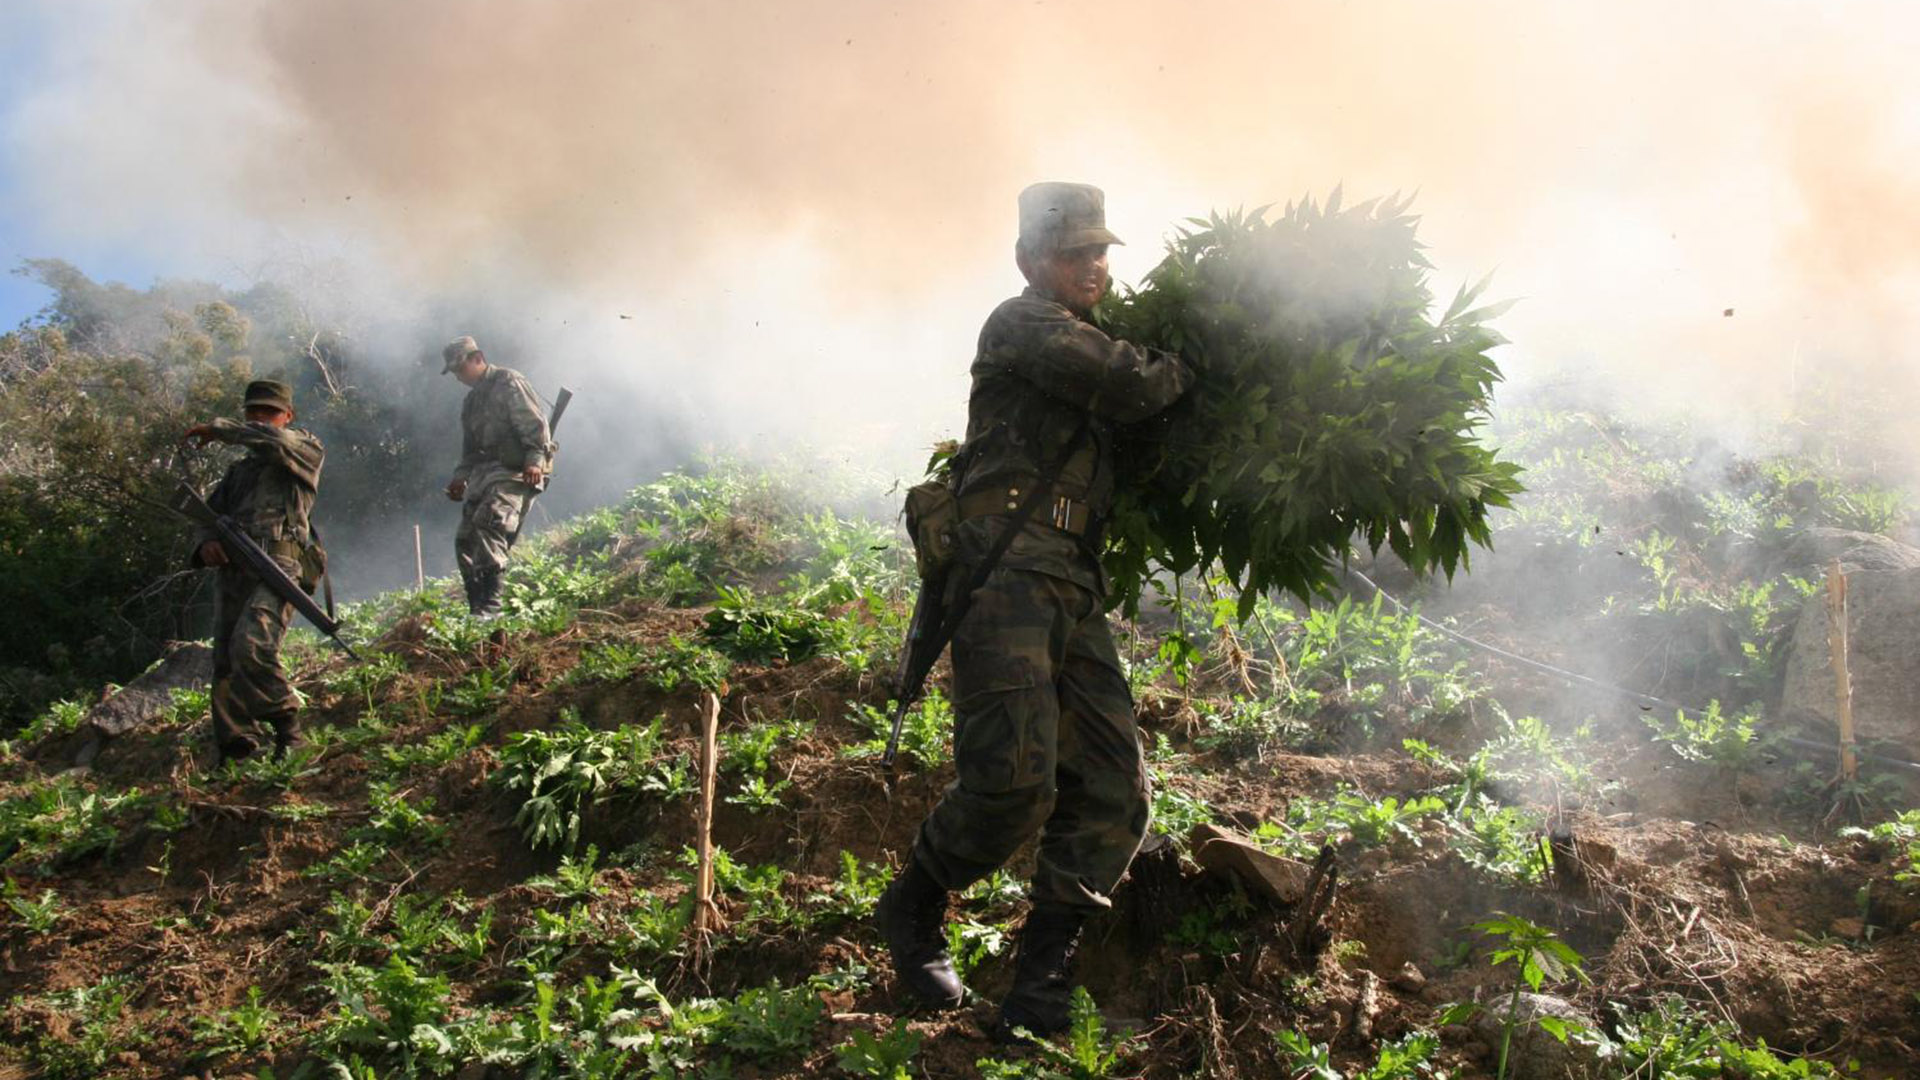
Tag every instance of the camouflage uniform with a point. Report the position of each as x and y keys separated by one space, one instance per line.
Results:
x=504 y=432
x=269 y=494
x=1045 y=739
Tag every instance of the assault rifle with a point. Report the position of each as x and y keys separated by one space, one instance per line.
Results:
x=188 y=504
x=933 y=626
x=560 y=401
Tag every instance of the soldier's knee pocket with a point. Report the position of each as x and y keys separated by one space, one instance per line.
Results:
x=1018 y=813
x=995 y=746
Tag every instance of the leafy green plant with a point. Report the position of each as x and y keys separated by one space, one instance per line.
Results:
x=1090 y=1053
x=1733 y=743
x=245 y=1028
x=926 y=732
x=574 y=879
x=768 y=1022
x=62 y=820
x=884 y=1058
x=1538 y=956
x=98 y=1028
x=480 y=690
x=1330 y=409
x=609 y=661
x=34 y=916
x=679 y=662
x=1405 y=1058
x=399 y=1016
x=1901 y=833
x=565 y=771
x=60 y=718
x=435 y=750
x=1506 y=843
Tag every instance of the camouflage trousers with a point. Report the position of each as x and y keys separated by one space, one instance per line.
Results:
x=1044 y=741
x=489 y=518
x=251 y=693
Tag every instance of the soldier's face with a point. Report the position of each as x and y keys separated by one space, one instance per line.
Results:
x=267 y=414
x=1077 y=277
x=470 y=369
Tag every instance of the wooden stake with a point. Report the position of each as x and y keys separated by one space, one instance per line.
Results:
x=706 y=914
x=419 y=564
x=1838 y=643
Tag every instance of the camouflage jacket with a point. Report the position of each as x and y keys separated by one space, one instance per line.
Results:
x=1038 y=372
x=501 y=422
x=269 y=492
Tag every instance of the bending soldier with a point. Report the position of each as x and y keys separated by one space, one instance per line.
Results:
x=505 y=458
x=1044 y=732
x=269 y=494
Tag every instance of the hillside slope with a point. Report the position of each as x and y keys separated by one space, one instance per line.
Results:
x=480 y=866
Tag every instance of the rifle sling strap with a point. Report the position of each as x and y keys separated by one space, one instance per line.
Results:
x=1017 y=520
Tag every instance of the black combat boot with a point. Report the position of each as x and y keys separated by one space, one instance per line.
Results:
x=1042 y=991
x=912 y=916
x=286 y=734
x=233 y=748
x=484 y=602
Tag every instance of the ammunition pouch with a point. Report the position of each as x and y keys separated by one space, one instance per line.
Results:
x=933 y=523
x=311 y=558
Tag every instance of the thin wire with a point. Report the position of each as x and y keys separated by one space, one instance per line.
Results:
x=1646 y=700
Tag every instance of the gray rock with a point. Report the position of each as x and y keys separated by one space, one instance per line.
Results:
x=1536 y=1054
x=1883 y=609
x=1813 y=550
x=187 y=665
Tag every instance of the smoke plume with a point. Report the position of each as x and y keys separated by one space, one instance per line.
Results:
x=774 y=222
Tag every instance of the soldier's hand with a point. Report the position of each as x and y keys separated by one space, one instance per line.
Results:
x=532 y=475
x=200 y=435
x=457 y=490
x=212 y=554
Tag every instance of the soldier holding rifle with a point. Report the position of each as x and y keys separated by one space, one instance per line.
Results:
x=268 y=495
x=506 y=458
x=1044 y=733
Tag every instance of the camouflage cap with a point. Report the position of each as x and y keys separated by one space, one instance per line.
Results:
x=1056 y=216
x=457 y=350
x=269 y=392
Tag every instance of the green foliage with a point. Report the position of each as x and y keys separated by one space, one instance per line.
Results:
x=61 y=820
x=1176 y=811
x=760 y=630
x=97 y=1028
x=60 y=718
x=1329 y=411
x=680 y=662
x=1349 y=816
x=94 y=395
x=245 y=1028
x=608 y=661
x=480 y=690
x=1732 y=743
x=970 y=941
x=884 y=1058
x=574 y=879
x=565 y=771
x=1538 y=956
x=926 y=732
x=1405 y=1058
x=1902 y=833
x=399 y=1017
x=770 y=1022
x=1090 y=1053
x=1504 y=842
x=34 y=916
x=434 y=751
